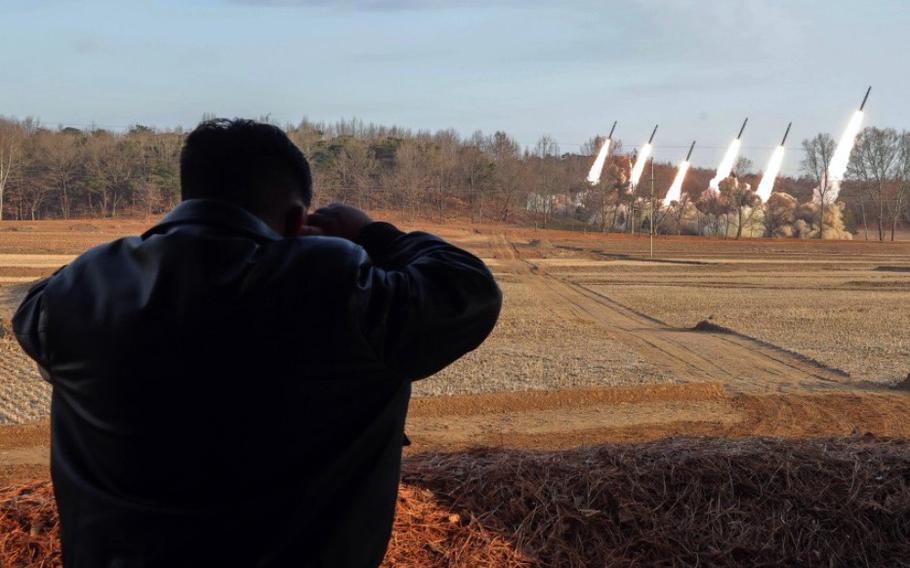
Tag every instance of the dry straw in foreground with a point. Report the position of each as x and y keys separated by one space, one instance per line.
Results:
x=682 y=502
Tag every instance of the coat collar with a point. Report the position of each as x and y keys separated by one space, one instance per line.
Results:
x=217 y=213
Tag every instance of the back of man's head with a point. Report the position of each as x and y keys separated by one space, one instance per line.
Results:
x=248 y=163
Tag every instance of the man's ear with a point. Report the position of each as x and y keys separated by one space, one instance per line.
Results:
x=294 y=220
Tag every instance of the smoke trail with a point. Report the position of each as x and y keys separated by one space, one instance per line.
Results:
x=767 y=181
x=726 y=165
x=838 y=165
x=675 y=191
x=598 y=166
x=639 y=166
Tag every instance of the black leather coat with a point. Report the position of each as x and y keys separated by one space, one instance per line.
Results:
x=223 y=396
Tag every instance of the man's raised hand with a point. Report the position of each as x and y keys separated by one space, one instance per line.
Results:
x=336 y=220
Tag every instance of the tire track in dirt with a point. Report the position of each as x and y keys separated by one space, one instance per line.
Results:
x=743 y=365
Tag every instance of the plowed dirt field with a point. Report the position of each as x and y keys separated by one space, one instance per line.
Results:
x=599 y=343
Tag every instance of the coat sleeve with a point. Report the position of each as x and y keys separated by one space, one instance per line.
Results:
x=30 y=324
x=422 y=302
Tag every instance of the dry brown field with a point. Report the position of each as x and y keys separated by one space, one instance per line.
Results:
x=599 y=343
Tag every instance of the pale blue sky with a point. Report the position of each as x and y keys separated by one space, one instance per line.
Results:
x=567 y=69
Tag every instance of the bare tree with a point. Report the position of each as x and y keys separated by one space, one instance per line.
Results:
x=545 y=180
x=409 y=179
x=872 y=164
x=34 y=183
x=477 y=173
x=63 y=159
x=443 y=168
x=155 y=182
x=10 y=152
x=902 y=182
x=506 y=157
x=113 y=162
x=818 y=153
x=742 y=197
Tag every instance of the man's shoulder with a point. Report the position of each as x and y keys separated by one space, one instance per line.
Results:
x=104 y=252
x=333 y=250
x=324 y=251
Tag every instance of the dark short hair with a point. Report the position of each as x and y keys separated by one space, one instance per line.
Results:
x=237 y=160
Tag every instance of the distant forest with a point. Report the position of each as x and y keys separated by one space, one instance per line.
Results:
x=69 y=173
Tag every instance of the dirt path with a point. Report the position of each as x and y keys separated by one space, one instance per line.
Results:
x=571 y=418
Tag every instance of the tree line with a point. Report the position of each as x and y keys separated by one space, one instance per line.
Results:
x=69 y=172
x=93 y=172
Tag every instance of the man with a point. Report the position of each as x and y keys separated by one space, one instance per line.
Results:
x=230 y=388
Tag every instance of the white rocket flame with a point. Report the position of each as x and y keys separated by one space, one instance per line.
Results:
x=639 y=166
x=766 y=186
x=837 y=167
x=726 y=165
x=598 y=166
x=675 y=190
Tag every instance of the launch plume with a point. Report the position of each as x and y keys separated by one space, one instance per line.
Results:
x=675 y=191
x=838 y=165
x=767 y=181
x=598 y=166
x=728 y=161
x=643 y=154
x=726 y=165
